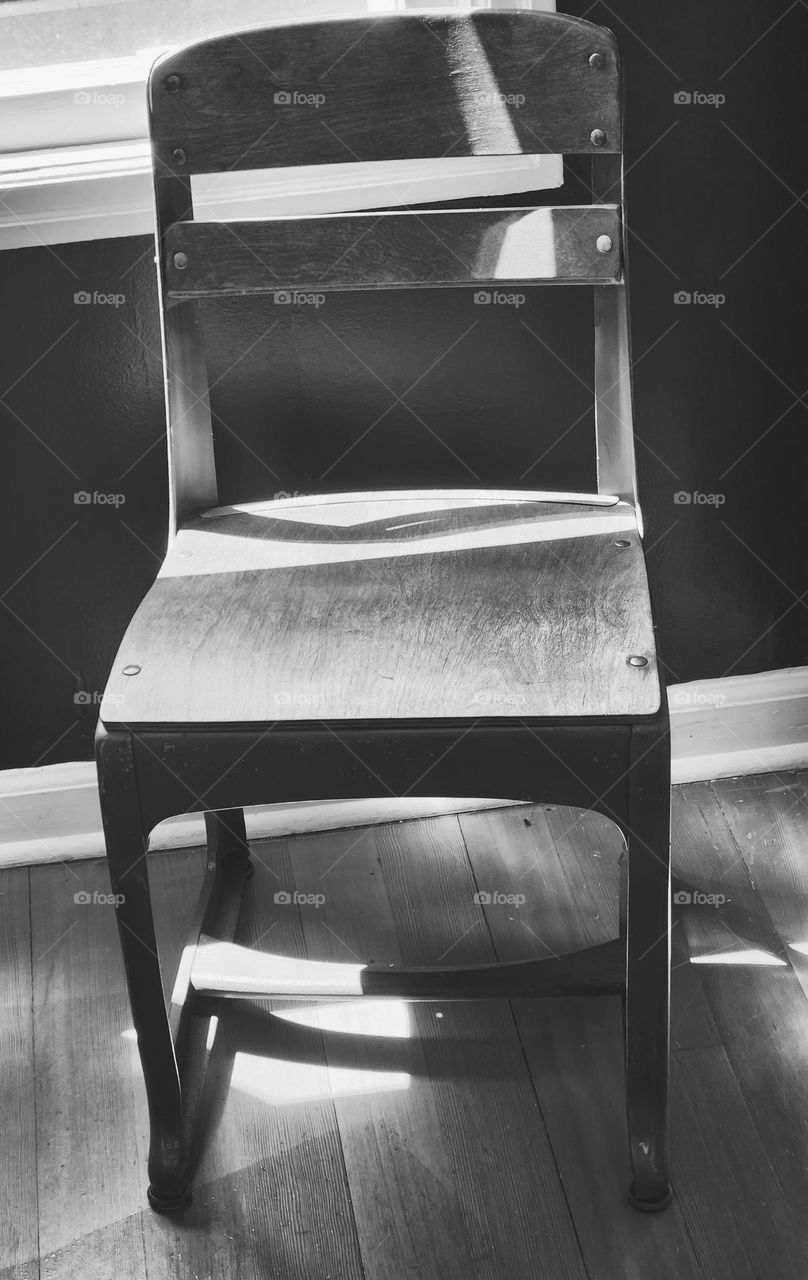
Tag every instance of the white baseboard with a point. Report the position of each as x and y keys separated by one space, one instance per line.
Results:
x=720 y=728
x=52 y=814
x=739 y=724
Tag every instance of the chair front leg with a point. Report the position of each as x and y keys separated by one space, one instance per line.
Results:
x=126 y=854
x=647 y=999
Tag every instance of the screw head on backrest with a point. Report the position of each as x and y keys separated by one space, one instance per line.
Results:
x=178 y=156
x=597 y=137
x=596 y=61
x=173 y=83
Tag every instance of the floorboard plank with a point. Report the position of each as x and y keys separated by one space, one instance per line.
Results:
x=89 y=1128
x=721 y=1171
x=464 y=1183
x=769 y=818
x=478 y=1140
x=760 y=1010
x=574 y=1046
x=19 y=1228
x=270 y=1197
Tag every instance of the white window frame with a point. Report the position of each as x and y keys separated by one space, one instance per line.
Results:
x=75 y=163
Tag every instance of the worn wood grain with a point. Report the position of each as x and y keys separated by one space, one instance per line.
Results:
x=769 y=818
x=393 y=250
x=723 y=1170
x=19 y=1245
x=476 y=84
x=270 y=1198
x=92 y=1120
x=574 y=1047
x=445 y=611
x=715 y=920
x=444 y=1149
x=718 y=1163
x=760 y=1009
x=282 y=1170
x=90 y=1115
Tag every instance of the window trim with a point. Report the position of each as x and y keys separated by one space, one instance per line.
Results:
x=75 y=164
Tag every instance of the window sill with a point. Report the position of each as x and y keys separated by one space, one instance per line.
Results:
x=103 y=190
x=75 y=164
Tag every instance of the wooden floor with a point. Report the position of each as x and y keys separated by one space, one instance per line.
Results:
x=397 y=1141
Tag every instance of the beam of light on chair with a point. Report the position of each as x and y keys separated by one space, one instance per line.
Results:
x=225 y=969
x=748 y=956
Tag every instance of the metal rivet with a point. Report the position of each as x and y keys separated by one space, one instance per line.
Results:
x=180 y=261
x=173 y=82
x=132 y=670
x=622 y=542
x=178 y=156
x=604 y=244
x=597 y=137
x=637 y=660
x=596 y=61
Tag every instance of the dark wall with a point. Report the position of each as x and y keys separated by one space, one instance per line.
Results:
x=494 y=391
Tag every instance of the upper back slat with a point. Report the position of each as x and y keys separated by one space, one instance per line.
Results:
x=398 y=87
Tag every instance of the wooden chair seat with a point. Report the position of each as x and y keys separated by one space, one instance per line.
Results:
x=404 y=606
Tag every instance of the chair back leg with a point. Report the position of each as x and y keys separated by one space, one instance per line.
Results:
x=647 y=998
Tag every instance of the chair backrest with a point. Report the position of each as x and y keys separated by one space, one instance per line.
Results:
x=399 y=86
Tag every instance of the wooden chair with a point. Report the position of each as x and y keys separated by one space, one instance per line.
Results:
x=410 y=643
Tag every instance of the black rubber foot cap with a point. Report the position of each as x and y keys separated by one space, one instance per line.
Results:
x=169 y=1204
x=651 y=1206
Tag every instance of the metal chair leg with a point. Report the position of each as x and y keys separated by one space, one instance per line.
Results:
x=126 y=853
x=647 y=1001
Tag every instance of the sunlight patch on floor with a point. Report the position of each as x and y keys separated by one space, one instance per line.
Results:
x=387 y=1018
x=280 y=1083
